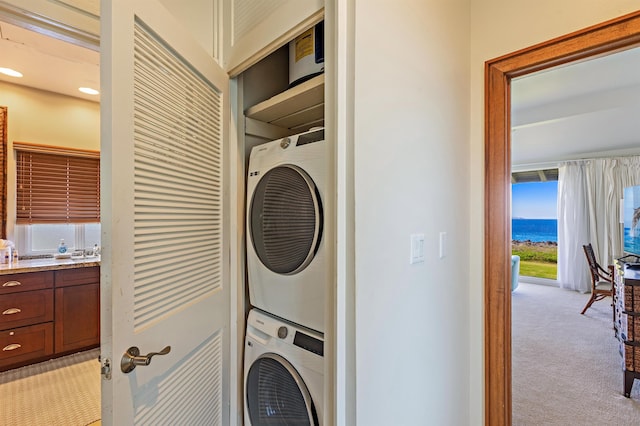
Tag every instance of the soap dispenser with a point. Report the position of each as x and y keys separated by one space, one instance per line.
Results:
x=62 y=247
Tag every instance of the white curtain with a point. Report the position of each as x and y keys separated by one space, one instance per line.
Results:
x=573 y=225
x=589 y=193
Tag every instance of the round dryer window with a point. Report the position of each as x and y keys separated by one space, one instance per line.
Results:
x=286 y=219
x=276 y=394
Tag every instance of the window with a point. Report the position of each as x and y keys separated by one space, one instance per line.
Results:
x=57 y=188
x=57 y=197
x=534 y=223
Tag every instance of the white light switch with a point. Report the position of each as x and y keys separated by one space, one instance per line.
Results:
x=443 y=242
x=417 y=248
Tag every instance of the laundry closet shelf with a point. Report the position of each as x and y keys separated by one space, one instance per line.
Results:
x=297 y=108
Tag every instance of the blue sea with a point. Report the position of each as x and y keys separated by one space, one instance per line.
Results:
x=536 y=230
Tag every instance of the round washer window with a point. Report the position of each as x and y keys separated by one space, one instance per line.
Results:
x=286 y=219
x=276 y=394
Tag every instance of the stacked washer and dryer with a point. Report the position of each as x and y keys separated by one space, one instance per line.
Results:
x=286 y=265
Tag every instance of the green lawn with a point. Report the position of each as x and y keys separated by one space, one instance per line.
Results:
x=539 y=269
x=537 y=260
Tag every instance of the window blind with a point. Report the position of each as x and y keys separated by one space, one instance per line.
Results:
x=57 y=188
x=3 y=172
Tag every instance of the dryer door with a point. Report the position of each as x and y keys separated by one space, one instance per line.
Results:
x=276 y=394
x=285 y=219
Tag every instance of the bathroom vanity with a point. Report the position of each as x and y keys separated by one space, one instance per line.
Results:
x=48 y=308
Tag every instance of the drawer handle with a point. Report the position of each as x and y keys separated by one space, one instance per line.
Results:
x=12 y=311
x=12 y=347
x=12 y=284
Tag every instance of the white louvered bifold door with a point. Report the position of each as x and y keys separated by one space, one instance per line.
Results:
x=165 y=118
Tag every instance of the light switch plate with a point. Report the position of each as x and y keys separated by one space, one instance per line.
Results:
x=417 y=248
x=443 y=244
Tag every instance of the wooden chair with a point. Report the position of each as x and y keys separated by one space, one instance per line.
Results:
x=601 y=280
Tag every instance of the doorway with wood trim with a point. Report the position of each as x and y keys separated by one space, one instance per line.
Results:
x=617 y=34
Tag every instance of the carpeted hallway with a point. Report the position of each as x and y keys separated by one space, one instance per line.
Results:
x=64 y=391
x=566 y=366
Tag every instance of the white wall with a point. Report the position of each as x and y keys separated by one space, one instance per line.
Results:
x=45 y=118
x=411 y=176
x=499 y=27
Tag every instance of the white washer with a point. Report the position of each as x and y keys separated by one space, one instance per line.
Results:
x=286 y=249
x=283 y=372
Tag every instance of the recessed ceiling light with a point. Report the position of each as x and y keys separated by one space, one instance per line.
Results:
x=10 y=72
x=89 y=91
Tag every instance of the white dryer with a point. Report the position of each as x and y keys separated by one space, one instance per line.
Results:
x=283 y=373
x=286 y=248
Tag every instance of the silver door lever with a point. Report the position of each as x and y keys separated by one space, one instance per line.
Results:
x=132 y=358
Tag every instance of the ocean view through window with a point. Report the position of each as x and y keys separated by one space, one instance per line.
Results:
x=534 y=228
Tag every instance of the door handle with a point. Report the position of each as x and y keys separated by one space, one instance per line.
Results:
x=132 y=358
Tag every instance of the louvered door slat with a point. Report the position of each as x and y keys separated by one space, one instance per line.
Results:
x=177 y=183
x=247 y=14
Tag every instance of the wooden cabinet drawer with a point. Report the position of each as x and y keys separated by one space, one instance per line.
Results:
x=77 y=276
x=13 y=283
x=23 y=344
x=27 y=308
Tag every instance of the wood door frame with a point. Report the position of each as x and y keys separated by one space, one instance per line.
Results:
x=616 y=34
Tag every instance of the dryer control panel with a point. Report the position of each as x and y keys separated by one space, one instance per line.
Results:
x=265 y=326
x=309 y=343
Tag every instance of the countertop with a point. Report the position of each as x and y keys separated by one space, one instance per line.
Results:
x=48 y=264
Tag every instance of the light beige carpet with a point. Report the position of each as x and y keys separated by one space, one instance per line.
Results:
x=64 y=391
x=566 y=366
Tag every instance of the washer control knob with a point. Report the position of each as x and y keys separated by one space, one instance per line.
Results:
x=282 y=332
x=284 y=143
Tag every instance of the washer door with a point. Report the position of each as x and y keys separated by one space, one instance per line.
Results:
x=277 y=395
x=285 y=219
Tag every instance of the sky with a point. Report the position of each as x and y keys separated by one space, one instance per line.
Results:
x=534 y=200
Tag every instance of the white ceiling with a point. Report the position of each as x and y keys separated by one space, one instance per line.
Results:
x=581 y=110
x=47 y=63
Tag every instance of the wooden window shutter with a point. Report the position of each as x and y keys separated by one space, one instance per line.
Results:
x=57 y=188
x=3 y=172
